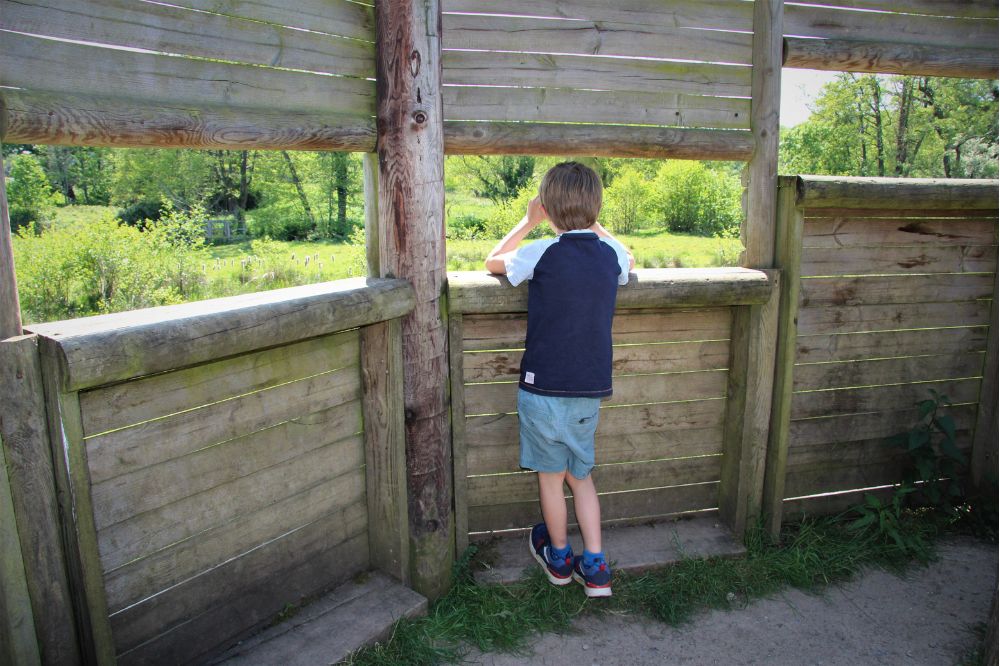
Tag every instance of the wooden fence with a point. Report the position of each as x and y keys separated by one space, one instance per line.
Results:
x=222 y=459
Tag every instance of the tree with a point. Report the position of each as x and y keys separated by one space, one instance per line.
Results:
x=29 y=193
x=500 y=178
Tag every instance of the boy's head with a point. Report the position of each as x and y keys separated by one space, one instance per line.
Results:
x=571 y=195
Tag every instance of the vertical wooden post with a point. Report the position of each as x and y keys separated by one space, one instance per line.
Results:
x=10 y=307
x=983 y=463
x=787 y=258
x=369 y=164
x=765 y=103
x=411 y=245
x=748 y=410
x=28 y=454
x=458 y=441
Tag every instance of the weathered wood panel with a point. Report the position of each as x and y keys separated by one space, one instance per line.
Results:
x=925 y=196
x=10 y=308
x=832 y=429
x=332 y=17
x=886 y=344
x=985 y=442
x=895 y=289
x=48 y=65
x=962 y=8
x=629 y=506
x=887 y=371
x=882 y=260
x=18 y=644
x=134 y=402
x=585 y=106
x=879 y=398
x=885 y=232
x=858 y=318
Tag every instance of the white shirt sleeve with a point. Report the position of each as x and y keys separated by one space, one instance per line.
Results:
x=622 y=258
x=521 y=265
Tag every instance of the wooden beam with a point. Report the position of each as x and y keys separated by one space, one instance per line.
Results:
x=765 y=83
x=10 y=306
x=473 y=292
x=962 y=8
x=845 y=55
x=32 y=485
x=928 y=194
x=788 y=247
x=109 y=348
x=459 y=441
x=412 y=246
x=369 y=164
x=748 y=412
x=85 y=120
x=983 y=466
x=385 y=447
x=496 y=138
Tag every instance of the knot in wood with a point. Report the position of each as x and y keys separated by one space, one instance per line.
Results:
x=409 y=415
x=419 y=117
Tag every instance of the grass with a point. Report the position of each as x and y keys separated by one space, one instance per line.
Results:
x=810 y=554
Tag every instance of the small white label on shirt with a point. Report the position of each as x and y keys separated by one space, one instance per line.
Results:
x=529 y=378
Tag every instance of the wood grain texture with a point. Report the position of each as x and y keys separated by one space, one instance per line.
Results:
x=107 y=348
x=331 y=17
x=758 y=228
x=835 y=23
x=860 y=318
x=882 y=260
x=816 y=376
x=960 y=8
x=48 y=65
x=479 y=293
x=835 y=232
x=850 y=55
x=28 y=454
x=876 y=194
x=886 y=344
x=86 y=120
x=523 y=138
x=10 y=307
x=369 y=168
x=412 y=246
x=385 y=447
x=459 y=441
x=840 y=292
x=879 y=398
x=983 y=464
x=852 y=427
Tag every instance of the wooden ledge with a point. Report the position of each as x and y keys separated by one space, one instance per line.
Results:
x=482 y=293
x=901 y=193
x=112 y=348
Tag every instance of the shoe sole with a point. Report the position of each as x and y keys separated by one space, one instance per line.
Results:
x=545 y=567
x=592 y=591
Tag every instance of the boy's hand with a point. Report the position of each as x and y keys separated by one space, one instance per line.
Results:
x=536 y=212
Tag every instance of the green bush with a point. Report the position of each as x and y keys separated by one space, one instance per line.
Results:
x=627 y=202
x=693 y=199
x=138 y=213
x=466 y=227
x=29 y=195
x=282 y=220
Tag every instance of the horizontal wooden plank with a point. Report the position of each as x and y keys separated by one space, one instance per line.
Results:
x=854 y=427
x=885 y=344
x=651 y=39
x=176 y=336
x=507 y=331
x=153 y=397
x=84 y=120
x=332 y=17
x=827 y=478
x=523 y=486
x=963 y=8
x=585 y=106
x=178 y=30
x=839 y=374
x=212 y=609
x=837 y=23
x=519 y=138
x=594 y=73
x=849 y=55
x=795 y=508
x=879 y=398
x=130 y=449
x=633 y=505
x=673 y=443
x=499 y=366
x=857 y=318
x=480 y=292
x=881 y=260
x=953 y=210
x=168 y=526
x=925 y=195
x=159 y=485
x=837 y=232
x=501 y=398
x=501 y=429
x=893 y=289
x=49 y=65
x=165 y=568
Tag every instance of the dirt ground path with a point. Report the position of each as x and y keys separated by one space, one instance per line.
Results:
x=926 y=617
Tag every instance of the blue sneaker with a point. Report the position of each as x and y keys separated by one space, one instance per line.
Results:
x=596 y=579
x=559 y=572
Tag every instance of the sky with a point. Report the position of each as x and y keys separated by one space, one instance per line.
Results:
x=799 y=87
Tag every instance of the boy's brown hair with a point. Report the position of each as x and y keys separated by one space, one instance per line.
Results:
x=571 y=195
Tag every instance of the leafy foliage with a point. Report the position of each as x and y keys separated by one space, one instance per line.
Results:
x=29 y=194
x=689 y=197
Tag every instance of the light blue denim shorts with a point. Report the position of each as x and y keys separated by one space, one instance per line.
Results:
x=557 y=434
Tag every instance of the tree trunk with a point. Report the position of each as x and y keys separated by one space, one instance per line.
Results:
x=902 y=125
x=340 y=180
x=876 y=103
x=298 y=188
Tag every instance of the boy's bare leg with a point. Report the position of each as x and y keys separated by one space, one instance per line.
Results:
x=553 y=500
x=588 y=510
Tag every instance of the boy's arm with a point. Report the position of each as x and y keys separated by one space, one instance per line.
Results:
x=495 y=259
x=601 y=231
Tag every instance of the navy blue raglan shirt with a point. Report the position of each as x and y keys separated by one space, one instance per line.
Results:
x=572 y=285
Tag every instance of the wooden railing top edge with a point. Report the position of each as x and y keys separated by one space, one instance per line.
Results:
x=906 y=193
x=111 y=348
x=482 y=293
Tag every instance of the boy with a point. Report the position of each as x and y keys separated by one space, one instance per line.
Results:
x=566 y=368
